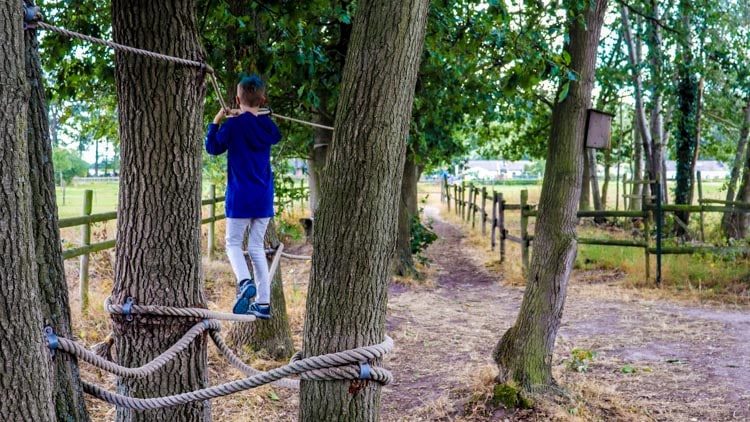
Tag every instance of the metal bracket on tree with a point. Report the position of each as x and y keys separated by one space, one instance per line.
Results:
x=52 y=341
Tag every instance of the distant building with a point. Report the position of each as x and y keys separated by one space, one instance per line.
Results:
x=496 y=169
x=710 y=169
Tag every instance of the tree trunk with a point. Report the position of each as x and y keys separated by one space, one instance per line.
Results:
x=316 y=162
x=69 y=403
x=524 y=353
x=25 y=382
x=355 y=233
x=591 y=157
x=686 y=131
x=729 y=219
x=404 y=265
x=641 y=122
x=607 y=177
x=656 y=88
x=584 y=203
x=741 y=221
x=158 y=227
x=274 y=337
x=637 y=188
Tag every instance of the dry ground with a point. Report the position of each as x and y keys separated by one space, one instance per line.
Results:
x=655 y=359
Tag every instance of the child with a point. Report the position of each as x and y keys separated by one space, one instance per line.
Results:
x=247 y=138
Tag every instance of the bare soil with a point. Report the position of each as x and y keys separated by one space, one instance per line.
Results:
x=654 y=359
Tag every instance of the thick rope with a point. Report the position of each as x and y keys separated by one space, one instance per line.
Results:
x=299 y=257
x=291 y=119
x=245 y=368
x=354 y=356
x=125 y=48
x=201 y=313
x=88 y=356
x=275 y=262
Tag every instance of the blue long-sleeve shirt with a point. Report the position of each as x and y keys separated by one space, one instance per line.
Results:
x=247 y=140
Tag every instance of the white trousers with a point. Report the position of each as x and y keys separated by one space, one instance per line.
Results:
x=235 y=232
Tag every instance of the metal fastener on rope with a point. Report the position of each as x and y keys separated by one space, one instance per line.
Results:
x=364 y=371
x=52 y=341
x=30 y=16
x=127 y=308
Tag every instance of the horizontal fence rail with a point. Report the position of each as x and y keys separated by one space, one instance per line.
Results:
x=462 y=199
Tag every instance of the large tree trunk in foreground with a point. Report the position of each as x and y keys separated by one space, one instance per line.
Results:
x=404 y=260
x=524 y=353
x=25 y=388
x=274 y=336
x=730 y=219
x=158 y=228
x=355 y=222
x=69 y=403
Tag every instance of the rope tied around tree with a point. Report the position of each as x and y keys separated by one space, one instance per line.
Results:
x=351 y=364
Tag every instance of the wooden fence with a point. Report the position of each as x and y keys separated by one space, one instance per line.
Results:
x=86 y=248
x=466 y=205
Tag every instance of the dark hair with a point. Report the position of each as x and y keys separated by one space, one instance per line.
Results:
x=252 y=91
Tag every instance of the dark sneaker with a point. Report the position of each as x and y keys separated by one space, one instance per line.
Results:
x=260 y=311
x=247 y=293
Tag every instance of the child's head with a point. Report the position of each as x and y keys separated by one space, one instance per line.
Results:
x=251 y=92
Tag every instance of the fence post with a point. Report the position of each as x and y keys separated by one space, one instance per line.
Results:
x=524 y=231
x=88 y=196
x=647 y=239
x=484 y=213
x=474 y=208
x=501 y=225
x=463 y=200
x=212 y=216
x=455 y=197
x=447 y=193
x=494 y=220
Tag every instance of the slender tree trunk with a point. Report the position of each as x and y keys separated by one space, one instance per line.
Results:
x=524 y=353
x=591 y=157
x=273 y=337
x=355 y=233
x=637 y=189
x=584 y=203
x=69 y=403
x=656 y=88
x=25 y=382
x=158 y=226
x=404 y=264
x=640 y=120
x=607 y=178
x=322 y=139
x=729 y=219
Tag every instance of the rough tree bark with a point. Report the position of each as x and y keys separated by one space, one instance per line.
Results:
x=729 y=220
x=584 y=202
x=741 y=221
x=273 y=337
x=158 y=227
x=656 y=89
x=524 y=353
x=355 y=232
x=69 y=403
x=25 y=383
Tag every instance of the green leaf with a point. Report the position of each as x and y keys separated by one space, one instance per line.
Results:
x=273 y=396
x=627 y=369
x=564 y=92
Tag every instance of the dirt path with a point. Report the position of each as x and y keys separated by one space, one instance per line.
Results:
x=654 y=360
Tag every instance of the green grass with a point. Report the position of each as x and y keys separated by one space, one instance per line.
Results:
x=70 y=198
